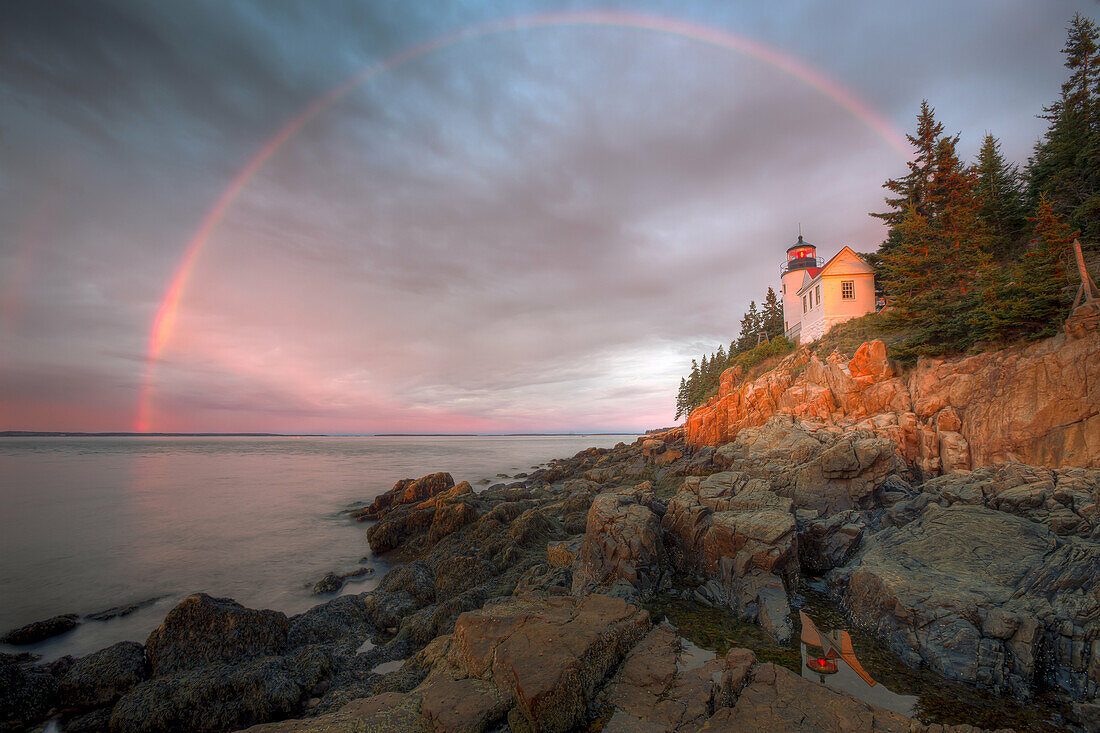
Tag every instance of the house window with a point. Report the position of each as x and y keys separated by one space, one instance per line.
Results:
x=818 y=289
x=848 y=290
x=804 y=308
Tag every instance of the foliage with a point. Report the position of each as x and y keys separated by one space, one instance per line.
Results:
x=938 y=252
x=960 y=264
x=1003 y=205
x=910 y=191
x=848 y=336
x=702 y=383
x=1030 y=299
x=1066 y=163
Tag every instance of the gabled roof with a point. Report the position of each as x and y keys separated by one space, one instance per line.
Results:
x=816 y=273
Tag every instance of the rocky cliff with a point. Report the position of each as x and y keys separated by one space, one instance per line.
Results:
x=1037 y=404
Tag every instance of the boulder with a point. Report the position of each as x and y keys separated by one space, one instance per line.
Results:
x=1064 y=499
x=658 y=688
x=343 y=618
x=622 y=542
x=822 y=471
x=41 y=630
x=462 y=706
x=26 y=689
x=777 y=699
x=870 y=360
x=202 y=630
x=222 y=696
x=547 y=656
x=734 y=531
x=102 y=677
x=426 y=510
x=981 y=596
x=406 y=491
x=459 y=574
x=563 y=553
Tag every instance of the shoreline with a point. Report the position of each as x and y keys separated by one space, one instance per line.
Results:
x=602 y=524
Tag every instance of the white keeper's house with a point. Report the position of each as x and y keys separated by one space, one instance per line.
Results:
x=817 y=298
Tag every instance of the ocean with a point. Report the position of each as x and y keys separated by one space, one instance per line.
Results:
x=92 y=523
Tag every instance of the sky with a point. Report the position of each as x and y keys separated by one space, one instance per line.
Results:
x=530 y=227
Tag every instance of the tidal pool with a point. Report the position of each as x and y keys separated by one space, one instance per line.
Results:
x=917 y=693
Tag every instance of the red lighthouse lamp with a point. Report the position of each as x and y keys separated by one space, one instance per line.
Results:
x=822 y=665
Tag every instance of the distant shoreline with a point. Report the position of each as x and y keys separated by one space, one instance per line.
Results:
x=60 y=434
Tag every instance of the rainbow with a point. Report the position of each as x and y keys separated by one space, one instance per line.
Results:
x=165 y=318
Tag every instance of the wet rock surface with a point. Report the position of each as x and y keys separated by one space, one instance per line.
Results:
x=982 y=596
x=41 y=630
x=741 y=537
x=203 y=630
x=102 y=677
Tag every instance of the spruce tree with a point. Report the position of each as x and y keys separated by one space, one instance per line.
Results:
x=910 y=191
x=772 y=315
x=939 y=258
x=750 y=326
x=681 y=399
x=1066 y=163
x=998 y=184
x=692 y=386
x=1031 y=300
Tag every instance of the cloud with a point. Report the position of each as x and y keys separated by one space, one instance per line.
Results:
x=533 y=231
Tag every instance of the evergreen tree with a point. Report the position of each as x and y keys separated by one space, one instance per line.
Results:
x=1066 y=163
x=1032 y=300
x=772 y=315
x=939 y=260
x=750 y=326
x=910 y=191
x=681 y=399
x=1003 y=209
x=721 y=360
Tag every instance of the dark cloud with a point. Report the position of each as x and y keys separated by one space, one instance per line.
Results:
x=535 y=230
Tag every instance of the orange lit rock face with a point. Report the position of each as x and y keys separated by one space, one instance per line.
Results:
x=1037 y=404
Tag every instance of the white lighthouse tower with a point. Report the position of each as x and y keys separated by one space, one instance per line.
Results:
x=802 y=256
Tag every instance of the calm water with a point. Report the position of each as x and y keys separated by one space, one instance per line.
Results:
x=91 y=523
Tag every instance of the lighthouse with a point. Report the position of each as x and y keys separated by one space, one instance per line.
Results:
x=801 y=256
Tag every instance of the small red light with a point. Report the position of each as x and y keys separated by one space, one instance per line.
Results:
x=822 y=666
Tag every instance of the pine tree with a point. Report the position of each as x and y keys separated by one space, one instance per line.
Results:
x=1001 y=189
x=1031 y=301
x=772 y=315
x=721 y=360
x=1066 y=163
x=692 y=386
x=681 y=399
x=939 y=259
x=910 y=191
x=750 y=327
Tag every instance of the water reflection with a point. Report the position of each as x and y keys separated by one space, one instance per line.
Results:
x=828 y=658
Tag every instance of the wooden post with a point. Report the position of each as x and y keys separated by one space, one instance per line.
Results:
x=1088 y=289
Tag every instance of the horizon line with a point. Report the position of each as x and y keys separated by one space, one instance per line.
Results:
x=119 y=434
